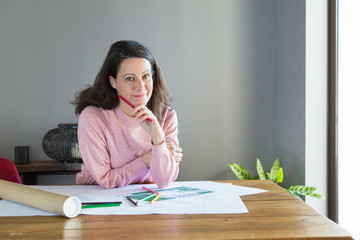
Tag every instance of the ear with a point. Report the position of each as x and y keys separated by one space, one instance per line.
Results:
x=112 y=81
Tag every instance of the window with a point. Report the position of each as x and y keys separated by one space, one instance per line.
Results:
x=349 y=116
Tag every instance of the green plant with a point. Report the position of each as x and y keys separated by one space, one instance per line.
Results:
x=276 y=175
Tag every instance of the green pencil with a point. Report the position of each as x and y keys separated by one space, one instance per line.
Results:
x=153 y=195
x=101 y=205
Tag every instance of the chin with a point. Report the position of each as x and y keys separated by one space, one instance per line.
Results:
x=144 y=102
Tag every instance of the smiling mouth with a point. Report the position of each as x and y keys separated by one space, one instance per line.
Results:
x=139 y=96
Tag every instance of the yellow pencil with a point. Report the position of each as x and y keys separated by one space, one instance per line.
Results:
x=155 y=198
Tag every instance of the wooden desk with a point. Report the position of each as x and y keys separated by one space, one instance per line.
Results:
x=34 y=168
x=272 y=215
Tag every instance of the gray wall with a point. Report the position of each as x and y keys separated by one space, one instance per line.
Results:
x=235 y=69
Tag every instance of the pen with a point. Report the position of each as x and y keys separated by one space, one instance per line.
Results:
x=101 y=205
x=150 y=190
x=122 y=98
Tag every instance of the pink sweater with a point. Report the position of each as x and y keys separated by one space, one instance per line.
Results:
x=112 y=143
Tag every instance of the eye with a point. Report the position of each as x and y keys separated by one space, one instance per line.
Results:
x=147 y=76
x=129 y=79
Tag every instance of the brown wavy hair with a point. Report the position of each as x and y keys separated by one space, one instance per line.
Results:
x=102 y=94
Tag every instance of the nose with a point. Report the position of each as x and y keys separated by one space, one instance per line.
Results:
x=140 y=83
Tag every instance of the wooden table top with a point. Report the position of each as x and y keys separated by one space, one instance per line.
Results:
x=272 y=215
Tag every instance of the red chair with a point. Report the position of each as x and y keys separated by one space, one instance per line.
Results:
x=8 y=171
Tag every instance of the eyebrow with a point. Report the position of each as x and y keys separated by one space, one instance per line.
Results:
x=133 y=74
x=128 y=74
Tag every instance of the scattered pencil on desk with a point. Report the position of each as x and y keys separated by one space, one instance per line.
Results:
x=101 y=205
x=155 y=198
x=150 y=190
x=145 y=198
x=94 y=203
x=132 y=201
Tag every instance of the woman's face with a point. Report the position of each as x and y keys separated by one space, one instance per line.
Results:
x=133 y=82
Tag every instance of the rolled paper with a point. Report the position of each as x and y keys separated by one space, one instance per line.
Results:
x=68 y=206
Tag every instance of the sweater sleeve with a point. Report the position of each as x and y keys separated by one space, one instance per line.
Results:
x=95 y=154
x=164 y=169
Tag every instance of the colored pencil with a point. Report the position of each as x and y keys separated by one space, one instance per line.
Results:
x=132 y=106
x=156 y=198
x=101 y=205
x=145 y=198
x=94 y=203
x=122 y=98
x=132 y=201
x=150 y=190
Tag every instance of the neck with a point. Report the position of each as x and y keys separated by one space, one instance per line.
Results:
x=126 y=109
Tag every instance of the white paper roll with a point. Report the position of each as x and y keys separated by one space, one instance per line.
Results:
x=68 y=206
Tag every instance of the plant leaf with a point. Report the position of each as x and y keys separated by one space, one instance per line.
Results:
x=274 y=170
x=280 y=175
x=260 y=170
x=239 y=171
x=293 y=193
x=256 y=177
x=305 y=191
x=316 y=195
x=302 y=189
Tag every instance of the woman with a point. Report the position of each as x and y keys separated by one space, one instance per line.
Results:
x=127 y=130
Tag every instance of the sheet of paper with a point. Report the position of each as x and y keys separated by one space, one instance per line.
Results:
x=217 y=198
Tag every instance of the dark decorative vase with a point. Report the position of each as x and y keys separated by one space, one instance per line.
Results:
x=62 y=143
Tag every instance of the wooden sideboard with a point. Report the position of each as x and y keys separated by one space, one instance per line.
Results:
x=30 y=171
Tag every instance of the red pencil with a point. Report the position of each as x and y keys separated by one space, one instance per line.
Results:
x=150 y=190
x=122 y=98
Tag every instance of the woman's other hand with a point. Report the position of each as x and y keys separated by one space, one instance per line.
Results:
x=175 y=151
